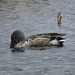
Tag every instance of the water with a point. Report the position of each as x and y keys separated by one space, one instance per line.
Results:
x=32 y=17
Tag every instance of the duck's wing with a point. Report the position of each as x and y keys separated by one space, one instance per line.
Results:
x=45 y=35
x=50 y=34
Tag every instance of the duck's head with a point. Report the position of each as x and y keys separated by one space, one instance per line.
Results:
x=17 y=39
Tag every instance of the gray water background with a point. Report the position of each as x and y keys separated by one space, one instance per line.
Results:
x=33 y=17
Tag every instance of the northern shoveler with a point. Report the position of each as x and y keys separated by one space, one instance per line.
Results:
x=19 y=41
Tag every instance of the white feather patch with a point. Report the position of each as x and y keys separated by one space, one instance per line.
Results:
x=20 y=45
x=26 y=43
x=54 y=42
x=62 y=40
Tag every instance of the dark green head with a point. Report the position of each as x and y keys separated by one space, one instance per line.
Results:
x=17 y=37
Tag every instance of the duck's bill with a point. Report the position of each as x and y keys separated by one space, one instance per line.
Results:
x=12 y=45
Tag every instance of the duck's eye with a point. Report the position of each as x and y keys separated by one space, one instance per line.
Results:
x=13 y=36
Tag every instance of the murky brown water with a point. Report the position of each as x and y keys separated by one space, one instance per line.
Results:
x=32 y=17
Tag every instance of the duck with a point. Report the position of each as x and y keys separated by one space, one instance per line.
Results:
x=18 y=40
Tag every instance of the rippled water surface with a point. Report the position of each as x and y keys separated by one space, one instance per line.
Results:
x=32 y=17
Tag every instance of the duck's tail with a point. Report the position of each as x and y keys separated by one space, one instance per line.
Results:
x=57 y=41
x=61 y=40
